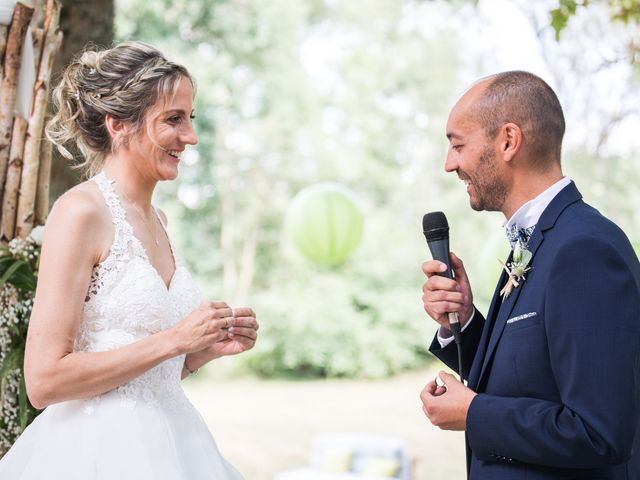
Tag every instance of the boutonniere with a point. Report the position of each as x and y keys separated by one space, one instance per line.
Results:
x=516 y=269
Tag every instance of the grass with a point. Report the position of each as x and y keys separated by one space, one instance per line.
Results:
x=267 y=426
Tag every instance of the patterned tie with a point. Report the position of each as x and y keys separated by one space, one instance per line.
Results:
x=517 y=234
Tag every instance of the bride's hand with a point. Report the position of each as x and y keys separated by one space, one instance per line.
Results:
x=205 y=326
x=241 y=336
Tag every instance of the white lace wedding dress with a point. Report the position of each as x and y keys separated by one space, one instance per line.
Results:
x=146 y=429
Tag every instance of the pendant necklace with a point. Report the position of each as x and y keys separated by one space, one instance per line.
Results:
x=137 y=209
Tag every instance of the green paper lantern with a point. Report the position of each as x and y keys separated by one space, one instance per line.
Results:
x=324 y=221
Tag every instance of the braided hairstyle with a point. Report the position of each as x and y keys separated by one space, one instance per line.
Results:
x=124 y=82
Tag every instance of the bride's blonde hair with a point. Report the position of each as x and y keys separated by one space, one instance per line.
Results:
x=124 y=81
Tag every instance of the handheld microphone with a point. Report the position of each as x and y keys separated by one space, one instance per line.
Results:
x=436 y=230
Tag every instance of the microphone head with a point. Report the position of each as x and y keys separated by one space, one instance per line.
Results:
x=435 y=226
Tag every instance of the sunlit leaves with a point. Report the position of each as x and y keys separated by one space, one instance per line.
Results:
x=620 y=10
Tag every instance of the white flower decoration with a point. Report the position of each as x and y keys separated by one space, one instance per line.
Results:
x=37 y=234
x=516 y=269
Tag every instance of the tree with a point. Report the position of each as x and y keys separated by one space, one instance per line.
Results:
x=268 y=128
x=291 y=93
x=621 y=10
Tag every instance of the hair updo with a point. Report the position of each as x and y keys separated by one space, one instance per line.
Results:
x=124 y=81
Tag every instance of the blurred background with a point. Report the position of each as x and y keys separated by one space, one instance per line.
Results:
x=346 y=102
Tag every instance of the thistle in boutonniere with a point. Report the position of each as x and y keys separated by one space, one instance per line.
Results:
x=517 y=268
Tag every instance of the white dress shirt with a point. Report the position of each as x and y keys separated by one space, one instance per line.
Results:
x=526 y=216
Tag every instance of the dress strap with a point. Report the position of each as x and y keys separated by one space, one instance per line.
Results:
x=124 y=236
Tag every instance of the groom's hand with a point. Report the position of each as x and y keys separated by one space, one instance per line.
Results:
x=447 y=406
x=441 y=295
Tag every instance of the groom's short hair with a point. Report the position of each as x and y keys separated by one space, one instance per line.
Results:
x=528 y=101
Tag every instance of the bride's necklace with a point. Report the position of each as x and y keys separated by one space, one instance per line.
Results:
x=138 y=210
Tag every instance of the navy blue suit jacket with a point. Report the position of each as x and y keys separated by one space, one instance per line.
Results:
x=557 y=364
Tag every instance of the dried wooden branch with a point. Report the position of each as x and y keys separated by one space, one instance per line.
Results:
x=29 y=181
x=37 y=35
x=40 y=13
x=8 y=91
x=44 y=180
x=12 y=185
x=51 y=25
x=4 y=30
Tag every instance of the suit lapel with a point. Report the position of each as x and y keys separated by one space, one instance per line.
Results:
x=507 y=305
x=488 y=328
x=566 y=197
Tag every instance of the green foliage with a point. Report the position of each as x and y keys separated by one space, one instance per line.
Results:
x=338 y=327
x=295 y=93
x=620 y=10
x=560 y=16
x=364 y=319
x=18 y=267
x=17 y=272
x=270 y=124
x=626 y=10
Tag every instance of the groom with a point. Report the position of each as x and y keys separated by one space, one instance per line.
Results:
x=554 y=369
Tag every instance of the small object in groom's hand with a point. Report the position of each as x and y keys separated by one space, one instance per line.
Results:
x=439 y=382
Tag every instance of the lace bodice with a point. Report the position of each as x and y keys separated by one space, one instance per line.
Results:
x=127 y=300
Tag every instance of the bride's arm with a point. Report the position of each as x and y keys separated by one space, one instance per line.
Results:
x=73 y=243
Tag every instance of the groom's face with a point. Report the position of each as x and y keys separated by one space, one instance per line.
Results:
x=472 y=155
x=486 y=188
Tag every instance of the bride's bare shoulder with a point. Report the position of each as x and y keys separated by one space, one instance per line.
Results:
x=84 y=203
x=81 y=216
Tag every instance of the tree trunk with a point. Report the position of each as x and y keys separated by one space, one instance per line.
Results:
x=81 y=22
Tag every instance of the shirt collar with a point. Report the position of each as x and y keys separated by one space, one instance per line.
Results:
x=529 y=213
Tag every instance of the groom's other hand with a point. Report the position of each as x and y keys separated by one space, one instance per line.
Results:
x=447 y=406
x=442 y=295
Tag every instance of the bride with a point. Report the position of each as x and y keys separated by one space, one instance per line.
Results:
x=117 y=320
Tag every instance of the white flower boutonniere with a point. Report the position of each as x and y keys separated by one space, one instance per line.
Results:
x=516 y=269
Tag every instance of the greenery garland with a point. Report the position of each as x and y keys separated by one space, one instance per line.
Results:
x=18 y=276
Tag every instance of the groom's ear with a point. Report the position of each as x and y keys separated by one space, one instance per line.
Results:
x=510 y=138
